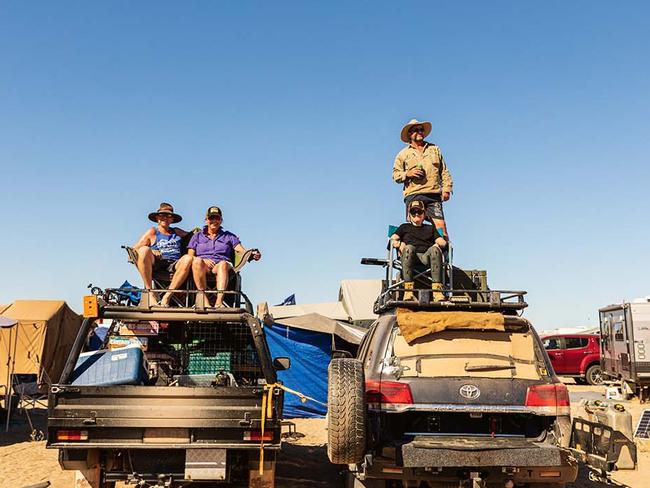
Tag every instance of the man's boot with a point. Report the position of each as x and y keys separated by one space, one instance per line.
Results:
x=408 y=294
x=438 y=296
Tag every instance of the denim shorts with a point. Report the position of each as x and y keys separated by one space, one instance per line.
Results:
x=432 y=203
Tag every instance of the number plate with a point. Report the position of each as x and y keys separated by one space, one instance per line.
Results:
x=205 y=464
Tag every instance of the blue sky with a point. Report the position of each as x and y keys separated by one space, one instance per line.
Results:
x=287 y=115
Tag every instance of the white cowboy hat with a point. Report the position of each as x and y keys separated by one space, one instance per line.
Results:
x=405 y=130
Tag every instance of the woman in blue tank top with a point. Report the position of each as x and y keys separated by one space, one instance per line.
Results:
x=159 y=249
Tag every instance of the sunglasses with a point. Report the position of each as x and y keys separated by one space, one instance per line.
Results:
x=164 y=216
x=416 y=212
x=214 y=217
x=417 y=129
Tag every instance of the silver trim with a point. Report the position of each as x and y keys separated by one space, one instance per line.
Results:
x=449 y=407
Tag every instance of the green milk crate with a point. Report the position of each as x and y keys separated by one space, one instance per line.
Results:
x=201 y=362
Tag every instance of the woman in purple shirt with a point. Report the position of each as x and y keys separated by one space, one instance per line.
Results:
x=213 y=249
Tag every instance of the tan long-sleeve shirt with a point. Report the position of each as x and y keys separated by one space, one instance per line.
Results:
x=436 y=178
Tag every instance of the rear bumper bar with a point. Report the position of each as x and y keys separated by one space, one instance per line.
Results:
x=422 y=453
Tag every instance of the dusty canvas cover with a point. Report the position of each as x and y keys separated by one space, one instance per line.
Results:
x=320 y=323
x=416 y=324
x=46 y=330
x=470 y=353
x=358 y=297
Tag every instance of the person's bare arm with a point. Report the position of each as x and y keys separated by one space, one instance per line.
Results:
x=146 y=239
x=239 y=249
x=395 y=241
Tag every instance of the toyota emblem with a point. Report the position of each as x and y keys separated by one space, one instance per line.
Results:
x=470 y=392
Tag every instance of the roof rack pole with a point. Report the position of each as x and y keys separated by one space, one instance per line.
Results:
x=389 y=281
x=79 y=341
x=450 y=254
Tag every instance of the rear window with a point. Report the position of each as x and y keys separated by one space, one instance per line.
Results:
x=468 y=353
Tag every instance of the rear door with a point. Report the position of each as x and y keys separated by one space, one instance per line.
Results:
x=575 y=350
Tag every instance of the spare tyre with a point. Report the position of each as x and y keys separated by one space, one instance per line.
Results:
x=346 y=412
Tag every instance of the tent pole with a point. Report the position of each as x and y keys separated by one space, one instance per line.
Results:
x=12 y=359
x=6 y=385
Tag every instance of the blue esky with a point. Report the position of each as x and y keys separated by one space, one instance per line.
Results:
x=287 y=115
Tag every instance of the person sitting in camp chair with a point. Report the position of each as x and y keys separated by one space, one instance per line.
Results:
x=419 y=243
x=212 y=250
x=159 y=249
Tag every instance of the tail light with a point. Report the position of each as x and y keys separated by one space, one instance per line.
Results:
x=256 y=435
x=389 y=394
x=72 y=435
x=549 y=399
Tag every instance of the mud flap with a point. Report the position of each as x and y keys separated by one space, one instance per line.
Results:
x=600 y=447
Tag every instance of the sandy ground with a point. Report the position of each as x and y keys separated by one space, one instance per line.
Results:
x=302 y=463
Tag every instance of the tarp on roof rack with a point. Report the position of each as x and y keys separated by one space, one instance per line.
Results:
x=415 y=324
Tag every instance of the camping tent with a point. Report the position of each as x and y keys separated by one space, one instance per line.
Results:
x=358 y=298
x=308 y=340
x=46 y=330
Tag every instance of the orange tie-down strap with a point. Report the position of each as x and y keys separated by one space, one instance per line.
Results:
x=267 y=410
x=416 y=324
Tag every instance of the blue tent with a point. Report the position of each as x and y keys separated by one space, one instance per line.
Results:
x=308 y=341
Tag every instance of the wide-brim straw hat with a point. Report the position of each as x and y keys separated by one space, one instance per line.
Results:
x=165 y=208
x=412 y=122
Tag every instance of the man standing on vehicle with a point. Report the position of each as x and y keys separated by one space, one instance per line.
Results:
x=420 y=243
x=422 y=170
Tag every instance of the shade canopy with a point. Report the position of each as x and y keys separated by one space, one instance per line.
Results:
x=319 y=323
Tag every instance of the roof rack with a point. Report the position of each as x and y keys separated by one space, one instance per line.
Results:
x=463 y=289
x=119 y=303
x=505 y=301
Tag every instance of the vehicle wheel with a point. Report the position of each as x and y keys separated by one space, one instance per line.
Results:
x=594 y=375
x=346 y=414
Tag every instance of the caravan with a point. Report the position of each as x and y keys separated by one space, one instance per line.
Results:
x=625 y=345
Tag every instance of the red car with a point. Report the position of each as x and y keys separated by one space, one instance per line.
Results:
x=576 y=355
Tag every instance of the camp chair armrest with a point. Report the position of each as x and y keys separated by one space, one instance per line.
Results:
x=132 y=254
x=374 y=261
x=242 y=260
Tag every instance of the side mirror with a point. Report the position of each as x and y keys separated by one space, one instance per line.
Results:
x=282 y=363
x=336 y=354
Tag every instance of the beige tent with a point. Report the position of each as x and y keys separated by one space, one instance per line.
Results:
x=46 y=330
x=358 y=298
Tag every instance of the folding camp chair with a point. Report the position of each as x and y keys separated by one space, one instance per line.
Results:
x=162 y=280
x=30 y=395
